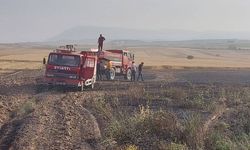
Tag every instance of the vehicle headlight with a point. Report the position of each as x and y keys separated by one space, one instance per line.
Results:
x=72 y=76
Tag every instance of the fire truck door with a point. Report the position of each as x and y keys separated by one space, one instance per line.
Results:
x=89 y=68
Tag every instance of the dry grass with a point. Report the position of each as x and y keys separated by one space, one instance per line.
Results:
x=144 y=129
x=177 y=57
x=18 y=57
x=147 y=128
x=231 y=132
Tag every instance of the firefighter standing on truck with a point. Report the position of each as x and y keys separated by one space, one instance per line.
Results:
x=108 y=72
x=101 y=39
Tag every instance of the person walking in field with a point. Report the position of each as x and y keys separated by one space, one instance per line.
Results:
x=133 y=71
x=101 y=39
x=140 y=72
x=44 y=60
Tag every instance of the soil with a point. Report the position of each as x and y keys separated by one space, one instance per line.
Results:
x=64 y=119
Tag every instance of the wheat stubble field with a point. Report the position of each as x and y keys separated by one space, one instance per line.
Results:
x=26 y=56
x=177 y=57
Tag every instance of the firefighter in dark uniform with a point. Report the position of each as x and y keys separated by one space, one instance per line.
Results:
x=101 y=39
x=98 y=71
x=140 y=72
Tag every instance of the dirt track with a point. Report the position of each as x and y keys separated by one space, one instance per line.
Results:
x=56 y=123
x=65 y=119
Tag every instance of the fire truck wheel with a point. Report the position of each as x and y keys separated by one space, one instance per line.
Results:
x=82 y=88
x=112 y=74
x=92 y=83
x=89 y=87
x=92 y=86
x=128 y=75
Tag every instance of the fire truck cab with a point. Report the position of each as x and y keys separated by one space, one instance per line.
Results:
x=67 y=67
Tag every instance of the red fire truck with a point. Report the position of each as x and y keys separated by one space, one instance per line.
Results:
x=67 y=67
x=121 y=62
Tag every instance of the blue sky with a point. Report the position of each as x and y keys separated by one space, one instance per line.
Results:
x=38 y=20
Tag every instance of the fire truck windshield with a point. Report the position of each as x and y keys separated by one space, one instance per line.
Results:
x=64 y=60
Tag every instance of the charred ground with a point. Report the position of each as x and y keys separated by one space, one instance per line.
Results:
x=172 y=109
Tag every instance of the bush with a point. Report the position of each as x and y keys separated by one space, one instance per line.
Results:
x=193 y=132
x=100 y=106
x=239 y=121
x=25 y=109
x=172 y=146
x=242 y=141
x=232 y=134
x=190 y=57
x=216 y=141
x=237 y=96
x=177 y=94
x=135 y=92
x=144 y=129
x=189 y=99
x=131 y=147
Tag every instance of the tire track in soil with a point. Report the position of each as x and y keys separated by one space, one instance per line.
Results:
x=12 y=73
x=15 y=90
x=58 y=122
x=71 y=125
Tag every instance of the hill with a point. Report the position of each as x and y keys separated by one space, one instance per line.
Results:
x=91 y=33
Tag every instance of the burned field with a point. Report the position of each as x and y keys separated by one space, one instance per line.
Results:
x=167 y=111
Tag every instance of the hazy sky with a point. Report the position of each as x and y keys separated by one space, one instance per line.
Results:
x=37 y=20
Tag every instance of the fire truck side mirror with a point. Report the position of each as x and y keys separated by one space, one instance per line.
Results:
x=44 y=61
